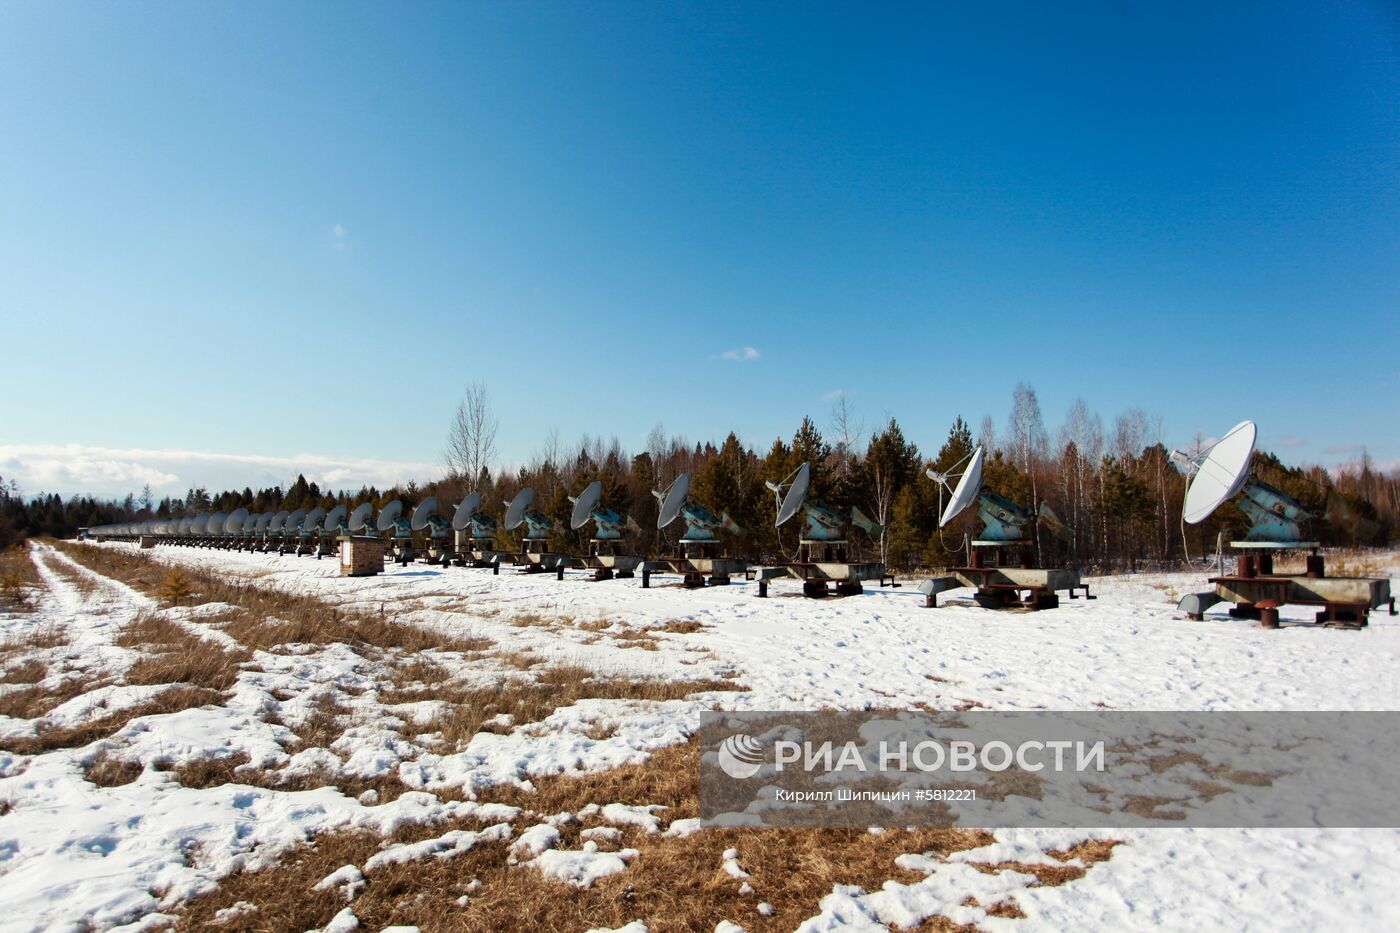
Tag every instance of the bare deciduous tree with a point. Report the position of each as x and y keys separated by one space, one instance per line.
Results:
x=846 y=431
x=471 y=440
x=1028 y=441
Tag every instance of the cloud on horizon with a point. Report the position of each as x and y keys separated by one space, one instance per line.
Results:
x=113 y=472
x=740 y=355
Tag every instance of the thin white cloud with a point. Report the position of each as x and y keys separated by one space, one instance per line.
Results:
x=339 y=236
x=834 y=395
x=1289 y=440
x=740 y=355
x=113 y=472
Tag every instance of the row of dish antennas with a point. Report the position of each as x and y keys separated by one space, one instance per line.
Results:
x=286 y=530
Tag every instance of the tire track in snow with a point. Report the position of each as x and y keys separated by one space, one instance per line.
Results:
x=145 y=603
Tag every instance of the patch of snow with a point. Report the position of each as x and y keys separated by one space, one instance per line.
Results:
x=535 y=840
x=624 y=815
x=582 y=868
x=348 y=878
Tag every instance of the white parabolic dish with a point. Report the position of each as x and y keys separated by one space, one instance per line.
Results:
x=426 y=510
x=674 y=500
x=465 y=510
x=796 y=494
x=361 y=516
x=1221 y=474
x=967 y=489
x=515 y=509
x=389 y=514
x=584 y=505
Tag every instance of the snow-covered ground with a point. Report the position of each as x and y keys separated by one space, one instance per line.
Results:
x=71 y=851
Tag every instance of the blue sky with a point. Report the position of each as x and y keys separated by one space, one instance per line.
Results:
x=293 y=233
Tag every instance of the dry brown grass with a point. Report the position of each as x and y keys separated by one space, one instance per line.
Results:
x=680 y=627
x=107 y=770
x=20 y=583
x=174 y=655
x=675 y=884
x=212 y=771
x=29 y=671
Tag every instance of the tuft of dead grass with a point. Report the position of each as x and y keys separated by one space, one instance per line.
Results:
x=680 y=627
x=107 y=770
x=29 y=671
x=174 y=655
x=20 y=583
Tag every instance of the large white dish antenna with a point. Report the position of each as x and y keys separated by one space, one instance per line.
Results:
x=360 y=518
x=515 y=509
x=251 y=524
x=585 y=504
x=293 y=522
x=965 y=493
x=425 y=510
x=465 y=510
x=215 y=525
x=335 y=518
x=1221 y=473
x=796 y=494
x=264 y=520
x=313 y=519
x=673 y=501
x=235 y=521
x=279 y=521
x=389 y=514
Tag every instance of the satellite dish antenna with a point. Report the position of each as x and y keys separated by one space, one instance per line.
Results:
x=264 y=520
x=515 y=509
x=965 y=493
x=585 y=504
x=798 y=483
x=235 y=521
x=313 y=519
x=1220 y=473
x=251 y=524
x=359 y=519
x=673 y=500
x=468 y=507
x=389 y=515
x=279 y=521
x=293 y=522
x=423 y=513
x=336 y=518
x=215 y=525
